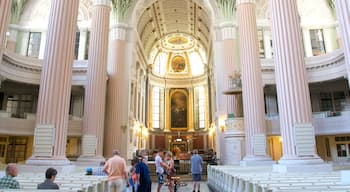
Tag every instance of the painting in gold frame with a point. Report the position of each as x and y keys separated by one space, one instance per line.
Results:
x=178 y=109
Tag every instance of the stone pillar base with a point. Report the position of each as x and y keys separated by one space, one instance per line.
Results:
x=89 y=161
x=257 y=161
x=47 y=161
x=302 y=165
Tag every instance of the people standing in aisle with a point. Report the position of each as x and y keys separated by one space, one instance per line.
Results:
x=143 y=178
x=160 y=165
x=8 y=181
x=170 y=172
x=196 y=170
x=50 y=176
x=117 y=173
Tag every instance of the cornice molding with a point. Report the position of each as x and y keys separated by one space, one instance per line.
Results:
x=28 y=70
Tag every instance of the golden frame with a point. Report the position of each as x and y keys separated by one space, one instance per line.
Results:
x=181 y=96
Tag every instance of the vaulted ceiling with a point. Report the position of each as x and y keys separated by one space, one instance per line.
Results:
x=164 y=17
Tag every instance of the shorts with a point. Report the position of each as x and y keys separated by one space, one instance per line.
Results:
x=160 y=178
x=196 y=177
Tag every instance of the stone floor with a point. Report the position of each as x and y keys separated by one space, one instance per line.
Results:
x=187 y=188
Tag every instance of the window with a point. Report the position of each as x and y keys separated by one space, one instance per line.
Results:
x=87 y=45
x=199 y=105
x=34 y=44
x=197 y=66
x=76 y=45
x=19 y=105
x=317 y=43
x=261 y=43
x=160 y=63
x=332 y=101
x=341 y=150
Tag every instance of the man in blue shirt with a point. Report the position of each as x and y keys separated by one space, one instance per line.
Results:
x=8 y=181
x=196 y=169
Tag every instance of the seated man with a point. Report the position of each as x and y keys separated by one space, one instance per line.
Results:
x=50 y=177
x=8 y=181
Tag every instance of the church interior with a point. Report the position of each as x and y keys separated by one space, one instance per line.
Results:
x=250 y=82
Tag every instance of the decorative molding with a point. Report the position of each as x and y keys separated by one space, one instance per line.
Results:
x=228 y=31
x=26 y=69
x=239 y=2
x=102 y=2
x=118 y=32
x=304 y=140
x=259 y=145
x=44 y=139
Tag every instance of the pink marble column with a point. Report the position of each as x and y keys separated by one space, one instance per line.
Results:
x=117 y=94
x=5 y=11
x=343 y=15
x=291 y=78
x=252 y=88
x=56 y=78
x=95 y=92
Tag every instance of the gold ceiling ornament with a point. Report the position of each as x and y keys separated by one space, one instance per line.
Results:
x=178 y=40
x=227 y=8
x=120 y=8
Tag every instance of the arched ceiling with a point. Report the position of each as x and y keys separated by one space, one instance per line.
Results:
x=164 y=17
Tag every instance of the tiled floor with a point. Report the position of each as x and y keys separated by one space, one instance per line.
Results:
x=187 y=188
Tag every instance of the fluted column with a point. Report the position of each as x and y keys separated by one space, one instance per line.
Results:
x=343 y=15
x=56 y=80
x=252 y=88
x=291 y=83
x=5 y=11
x=95 y=92
x=117 y=93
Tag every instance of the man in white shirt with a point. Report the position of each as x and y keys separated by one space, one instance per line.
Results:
x=160 y=168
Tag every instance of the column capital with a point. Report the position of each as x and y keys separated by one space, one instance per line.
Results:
x=228 y=30
x=245 y=1
x=118 y=31
x=102 y=2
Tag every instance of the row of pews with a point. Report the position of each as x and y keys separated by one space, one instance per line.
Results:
x=263 y=179
x=68 y=183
